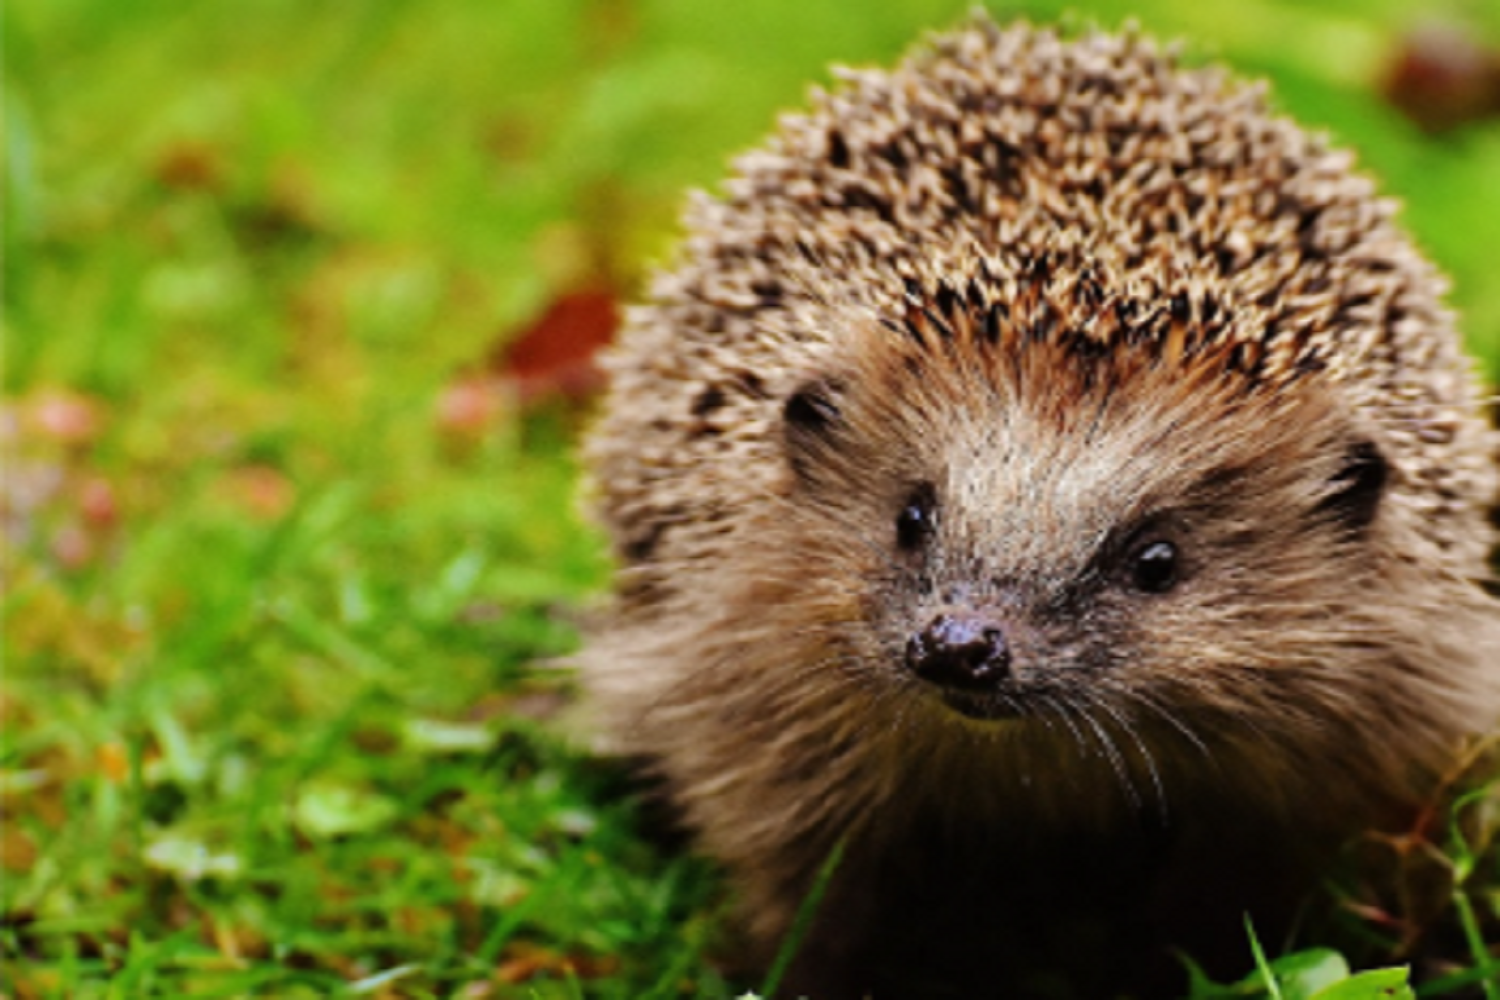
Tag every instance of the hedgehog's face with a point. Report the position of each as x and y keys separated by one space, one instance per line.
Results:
x=1055 y=534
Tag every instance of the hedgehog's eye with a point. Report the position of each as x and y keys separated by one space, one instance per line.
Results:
x=1154 y=567
x=917 y=519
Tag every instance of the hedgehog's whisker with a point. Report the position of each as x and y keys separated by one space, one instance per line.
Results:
x=1147 y=702
x=1064 y=712
x=1123 y=721
x=1112 y=754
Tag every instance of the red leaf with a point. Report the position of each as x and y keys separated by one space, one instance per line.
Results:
x=468 y=406
x=73 y=547
x=67 y=417
x=263 y=492
x=1442 y=78
x=190 y=166
x=97 y=504
x=554 y=356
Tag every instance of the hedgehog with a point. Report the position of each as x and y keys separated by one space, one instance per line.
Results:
x=1049 y=483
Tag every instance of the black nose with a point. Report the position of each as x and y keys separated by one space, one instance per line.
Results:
x=964 y=651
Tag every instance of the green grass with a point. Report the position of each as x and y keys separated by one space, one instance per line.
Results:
x=277 y=715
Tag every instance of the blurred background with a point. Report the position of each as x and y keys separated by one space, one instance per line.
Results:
x=299 y=302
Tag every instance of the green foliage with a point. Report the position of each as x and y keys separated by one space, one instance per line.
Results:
x=278 y=713
x=1315 y=974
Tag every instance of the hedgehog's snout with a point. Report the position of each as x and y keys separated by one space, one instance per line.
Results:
x=960 y=650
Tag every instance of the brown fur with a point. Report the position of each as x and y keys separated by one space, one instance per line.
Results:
x=1201 y=326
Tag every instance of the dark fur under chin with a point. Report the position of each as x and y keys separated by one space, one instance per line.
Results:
x=1067 y=885
x=1068 y=915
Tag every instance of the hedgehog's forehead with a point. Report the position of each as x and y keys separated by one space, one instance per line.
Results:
x=1084 y=429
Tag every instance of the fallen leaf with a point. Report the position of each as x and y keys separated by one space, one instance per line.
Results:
x=554 y=356
x=73 y=547
x=1442 y=77
x=190 y=166
x=525 y=961
x=18 y=851
x=469 y=406
x=97 y=503
x=66 y=417
x=113 y=761
x=263 y=492
x=283 y=215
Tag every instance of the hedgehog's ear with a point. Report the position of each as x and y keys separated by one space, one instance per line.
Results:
x=1355 y=491
x=811 y=415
